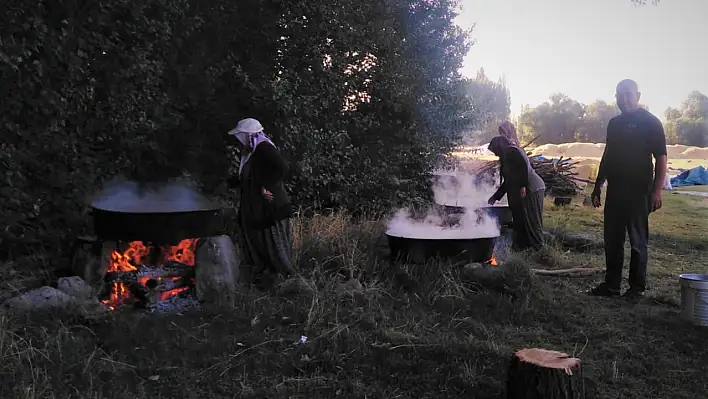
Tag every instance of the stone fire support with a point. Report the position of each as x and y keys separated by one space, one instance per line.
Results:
x=217 y=269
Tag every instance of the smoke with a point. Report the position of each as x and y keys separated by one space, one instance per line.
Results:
x=433 y=226
x=452 y=189
x=121 y=195
x=464 y=190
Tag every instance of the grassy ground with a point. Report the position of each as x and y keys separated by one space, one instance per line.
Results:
x=692 y=188
x=410 y=332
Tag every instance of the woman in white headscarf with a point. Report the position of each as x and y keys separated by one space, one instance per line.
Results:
x=265 y=208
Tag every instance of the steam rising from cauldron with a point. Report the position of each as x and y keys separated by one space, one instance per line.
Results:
x=452 y=189
x=464 y=190
x=121 y=195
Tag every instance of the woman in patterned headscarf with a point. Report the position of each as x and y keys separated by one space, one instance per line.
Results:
x=524 y=190
x=265 y=209
x=508 y=130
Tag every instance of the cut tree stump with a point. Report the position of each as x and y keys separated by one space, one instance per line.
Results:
x=544 y=374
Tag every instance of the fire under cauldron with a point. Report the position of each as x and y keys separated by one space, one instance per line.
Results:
x=146 y=250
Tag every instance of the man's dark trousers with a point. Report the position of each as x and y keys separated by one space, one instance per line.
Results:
x=626 y=212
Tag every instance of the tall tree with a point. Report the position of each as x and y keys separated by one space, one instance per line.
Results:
x=556 y=121
x=490 y=105
x=691 y=128
x=593 y=125
x=671 y=118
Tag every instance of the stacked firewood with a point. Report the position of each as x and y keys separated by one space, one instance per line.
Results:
x=560 y=178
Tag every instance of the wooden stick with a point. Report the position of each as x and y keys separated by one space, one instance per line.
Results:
x=572 y=272
x=530 y=142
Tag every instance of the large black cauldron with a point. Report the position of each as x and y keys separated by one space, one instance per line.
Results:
x=166 y=222
x=419 y=250
x=157 y=227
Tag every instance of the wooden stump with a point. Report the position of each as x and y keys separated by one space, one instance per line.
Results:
x=544 y=374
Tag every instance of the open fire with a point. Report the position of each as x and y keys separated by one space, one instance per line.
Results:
x=492 y=262
x=143 y=274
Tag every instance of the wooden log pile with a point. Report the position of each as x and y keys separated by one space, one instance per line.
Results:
x=560 y=178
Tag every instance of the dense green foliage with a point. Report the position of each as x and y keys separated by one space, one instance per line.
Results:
x=95 y=89
x=564 y=120
x=689 y=124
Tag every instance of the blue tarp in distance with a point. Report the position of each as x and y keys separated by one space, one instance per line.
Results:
x=697 y=176
x=554 y=160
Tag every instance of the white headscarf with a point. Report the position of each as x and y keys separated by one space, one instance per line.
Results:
x=250 y=133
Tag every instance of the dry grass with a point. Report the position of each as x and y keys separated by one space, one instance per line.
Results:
x=375 y=330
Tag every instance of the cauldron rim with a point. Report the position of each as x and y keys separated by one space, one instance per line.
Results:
x=481 y=207
x=488 y=237
x=154 y=212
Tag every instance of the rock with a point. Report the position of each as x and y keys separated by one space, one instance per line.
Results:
x=351 y=290
x=575 y=241
x=473 y=266
x=582 y=241
x=92 y=267
x=295 y=286
x=351 y=285
x=44 y=298
x=76 y=287
x=483 y=274
x=217 y=269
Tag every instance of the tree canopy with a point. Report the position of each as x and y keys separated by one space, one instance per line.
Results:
x=490 y=106
x=354 y=93
x=689 y=124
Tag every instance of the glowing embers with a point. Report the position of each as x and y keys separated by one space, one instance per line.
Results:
x=492 y=262
x=145 y=275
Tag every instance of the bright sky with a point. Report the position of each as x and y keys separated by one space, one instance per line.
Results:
x=582 y=48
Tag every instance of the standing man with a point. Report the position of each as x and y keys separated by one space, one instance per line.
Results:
x=633 y=191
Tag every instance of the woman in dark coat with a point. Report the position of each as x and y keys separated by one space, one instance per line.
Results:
x=265 y=209
x=525 y=191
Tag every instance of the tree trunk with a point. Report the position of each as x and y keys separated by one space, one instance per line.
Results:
x=544 y=374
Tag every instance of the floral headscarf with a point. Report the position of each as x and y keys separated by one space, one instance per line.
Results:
x=508 y=130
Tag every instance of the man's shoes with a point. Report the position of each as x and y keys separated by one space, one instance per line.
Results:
x=603 y=290
x=633 y=295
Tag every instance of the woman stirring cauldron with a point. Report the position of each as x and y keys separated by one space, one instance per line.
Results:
x=525 y=191
x=265 y=209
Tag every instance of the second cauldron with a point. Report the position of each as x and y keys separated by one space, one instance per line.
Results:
x=420 y=250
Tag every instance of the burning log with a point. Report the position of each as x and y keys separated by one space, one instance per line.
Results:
x=150 y=292
x=540 y=373
x=171 y=271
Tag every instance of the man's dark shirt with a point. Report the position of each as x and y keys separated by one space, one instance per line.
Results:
x=632 y=139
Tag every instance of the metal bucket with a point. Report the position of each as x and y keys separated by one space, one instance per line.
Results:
x=694 y=298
